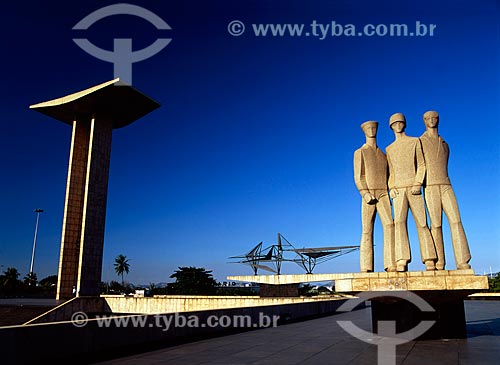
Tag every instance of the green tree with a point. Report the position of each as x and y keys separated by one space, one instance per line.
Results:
x=152 y=289
x=121 y=266
x=495 y=284
x=193 y=281
x=30 y=279
x=49 y=282
x=48 y=285
x=111 y=287
x=9 y=282
x=10 y=277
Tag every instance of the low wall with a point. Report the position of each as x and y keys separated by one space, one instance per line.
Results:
x=484 y=296
x=64 y=341
x=189 y=303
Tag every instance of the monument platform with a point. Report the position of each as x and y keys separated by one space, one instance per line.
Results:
x=381 y=281
x=443 y=290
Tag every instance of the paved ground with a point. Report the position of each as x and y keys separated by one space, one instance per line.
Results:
x=43 y=302
x=322 y=341
x=15 y=311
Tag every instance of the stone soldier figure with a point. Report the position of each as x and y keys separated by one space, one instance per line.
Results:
x=439 y=194
x=406 y=176
x=370 y=176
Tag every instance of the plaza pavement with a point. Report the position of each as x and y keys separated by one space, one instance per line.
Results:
x=322 y=341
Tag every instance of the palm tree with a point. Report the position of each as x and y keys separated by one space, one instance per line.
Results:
x=9 y=279
x=30 y=279
x=121 y=266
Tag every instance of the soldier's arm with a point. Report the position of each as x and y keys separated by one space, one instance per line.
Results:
x=360 y=178
x=390 y=171
x=421 y=170
x=359 y=173
x=447 y=150
x=393 y=191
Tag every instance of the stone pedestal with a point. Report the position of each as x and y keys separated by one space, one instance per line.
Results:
x=449 y=314
x=93 y=113
x=444 y=291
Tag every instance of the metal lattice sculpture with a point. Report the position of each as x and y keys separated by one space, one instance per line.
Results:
x=270 y=258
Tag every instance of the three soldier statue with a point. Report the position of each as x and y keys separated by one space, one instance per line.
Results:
x=411 y=165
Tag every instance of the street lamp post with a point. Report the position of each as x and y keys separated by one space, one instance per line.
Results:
x=37 y=211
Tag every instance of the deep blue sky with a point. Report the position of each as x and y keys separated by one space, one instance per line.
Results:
x=254 y=136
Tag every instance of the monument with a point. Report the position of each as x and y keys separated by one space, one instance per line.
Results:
x=93 y=114
x=370 y=176
x=413 y=163
x=439 y=195
x=406 y=177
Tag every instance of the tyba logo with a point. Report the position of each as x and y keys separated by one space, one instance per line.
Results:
x=386 y=339
x=122 y=55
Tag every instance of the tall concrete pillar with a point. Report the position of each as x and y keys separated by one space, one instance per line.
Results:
x=93 y=114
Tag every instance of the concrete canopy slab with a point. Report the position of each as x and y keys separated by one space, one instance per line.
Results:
x=355 y=282
x=114 y=101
